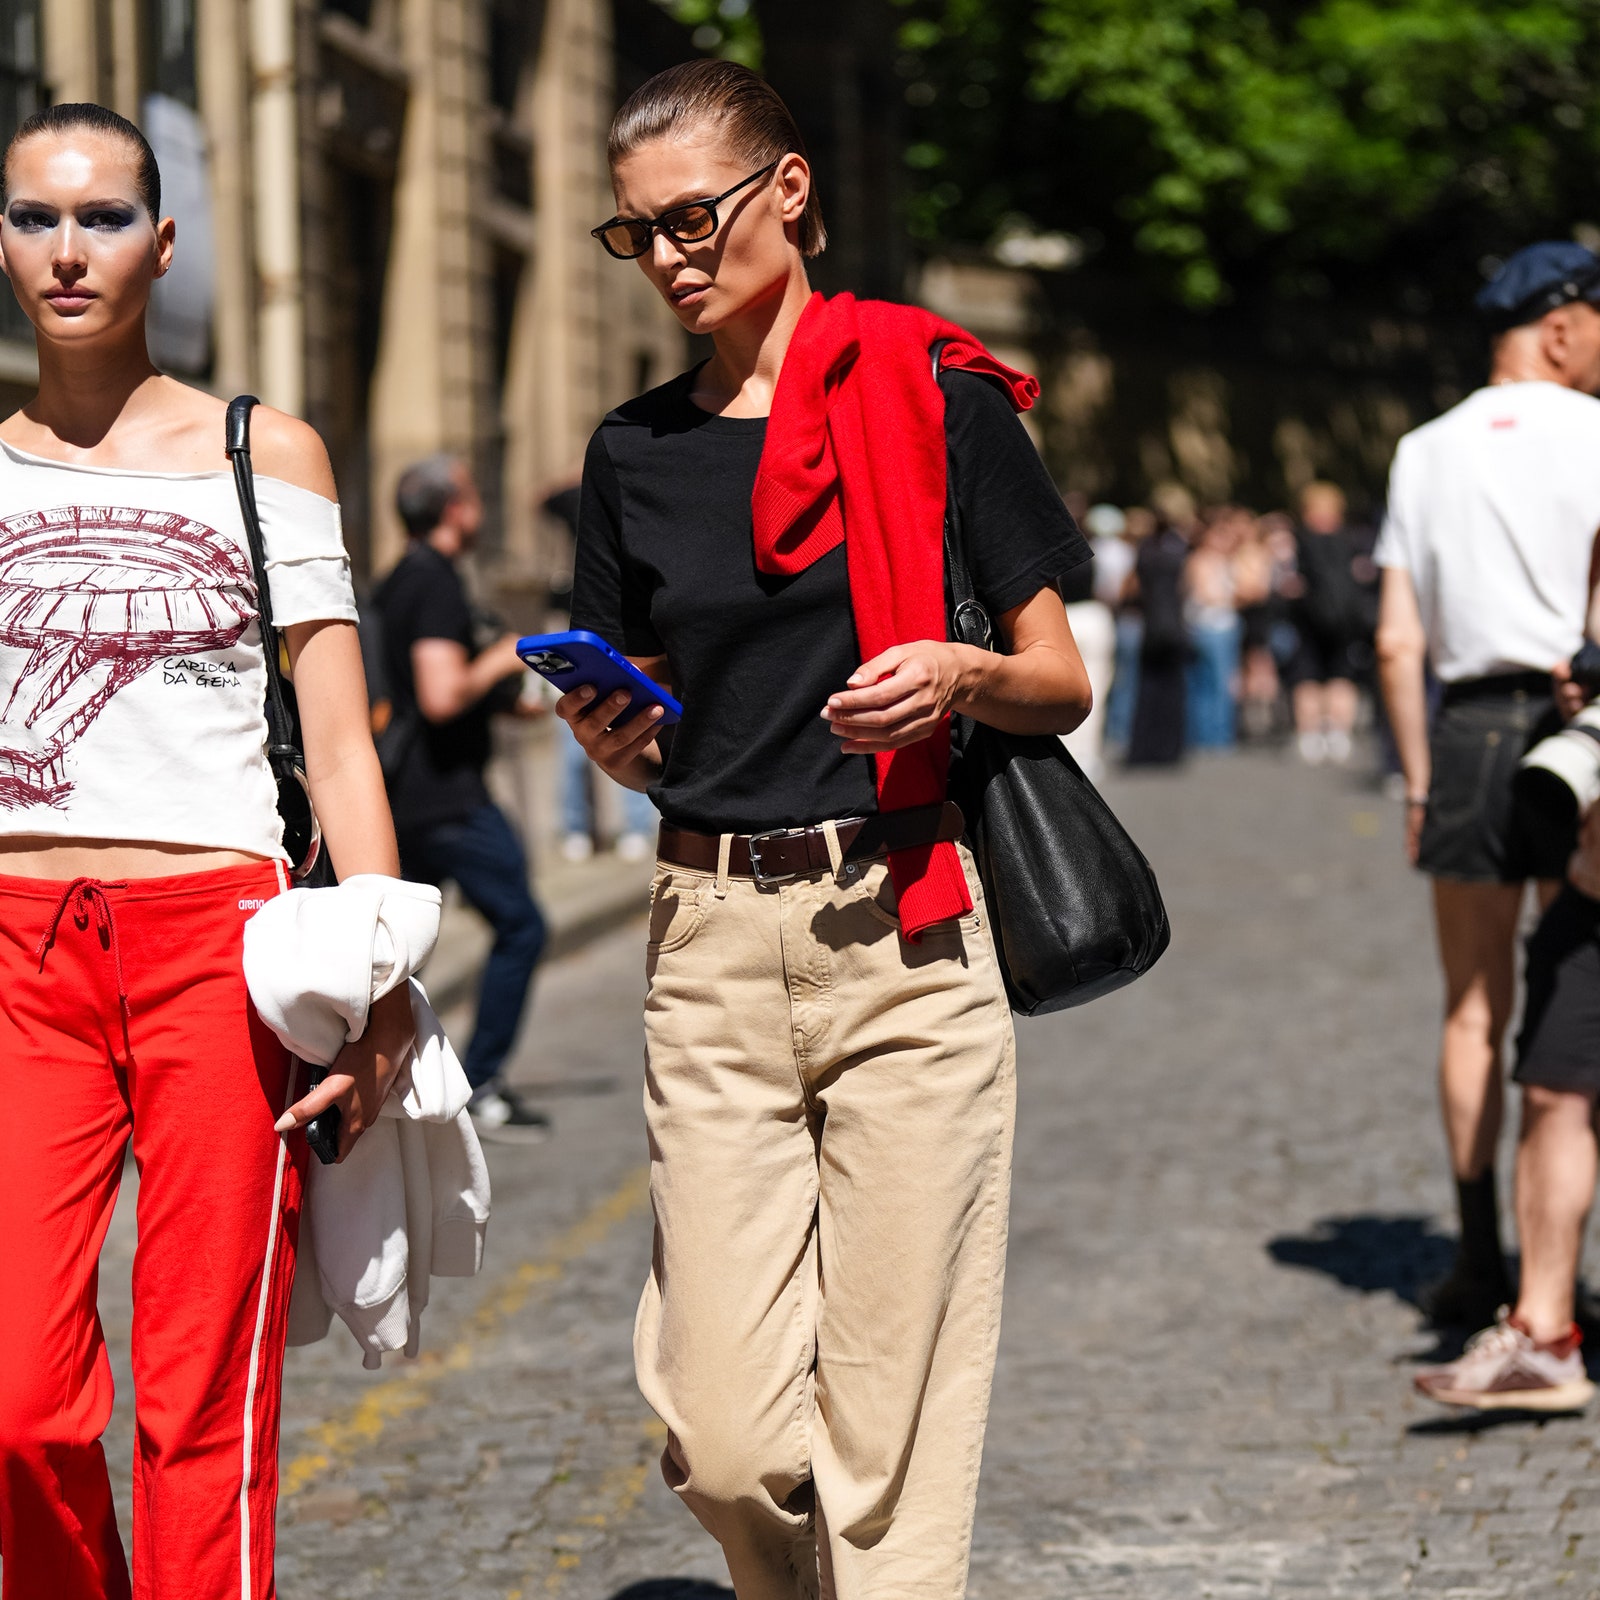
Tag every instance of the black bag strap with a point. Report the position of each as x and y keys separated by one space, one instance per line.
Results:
x=282 y=750
x=969 y=618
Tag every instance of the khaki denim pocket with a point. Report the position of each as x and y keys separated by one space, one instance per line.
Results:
x=678 y=905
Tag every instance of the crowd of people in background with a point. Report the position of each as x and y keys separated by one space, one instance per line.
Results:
x=1224 y=625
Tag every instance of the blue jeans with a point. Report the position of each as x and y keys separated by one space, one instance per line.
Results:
x=1212 y=670
x=1124 y=679
x=577 y=807
x=485 y=860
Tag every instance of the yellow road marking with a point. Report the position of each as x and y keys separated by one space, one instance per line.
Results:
x=356 y=1429
x=620 y=1489
x=1366 y=824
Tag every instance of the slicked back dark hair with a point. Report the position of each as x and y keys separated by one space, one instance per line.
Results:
x=738 y=105
x=76 y=114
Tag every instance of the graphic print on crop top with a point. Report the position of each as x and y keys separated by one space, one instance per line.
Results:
x=97 y=596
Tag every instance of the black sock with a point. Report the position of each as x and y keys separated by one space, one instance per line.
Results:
x=1480 y=1226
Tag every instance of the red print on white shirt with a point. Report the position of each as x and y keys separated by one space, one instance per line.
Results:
x=97 y=595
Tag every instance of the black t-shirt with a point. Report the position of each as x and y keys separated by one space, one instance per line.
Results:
x=1333 y=604
x=441 y=778
x=666 y=565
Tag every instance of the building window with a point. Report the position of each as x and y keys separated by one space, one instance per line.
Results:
x=169 y=42
x=358 y=11
x=514 y=30
x=21 y=94
x=514 y=27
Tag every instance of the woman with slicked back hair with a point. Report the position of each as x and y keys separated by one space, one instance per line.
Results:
x=829 y=1080
x=139 y=832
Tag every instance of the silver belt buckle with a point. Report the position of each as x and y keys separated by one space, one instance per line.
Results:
x=763 y=878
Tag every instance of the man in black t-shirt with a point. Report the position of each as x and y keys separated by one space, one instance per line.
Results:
x=450 y=669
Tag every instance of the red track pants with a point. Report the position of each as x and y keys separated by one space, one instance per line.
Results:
x=123 y=1010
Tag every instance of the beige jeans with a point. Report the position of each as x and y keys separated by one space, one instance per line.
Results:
x=830 y=1112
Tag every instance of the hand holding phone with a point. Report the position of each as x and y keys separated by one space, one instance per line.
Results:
x=579 y=659
x=611 y=728
x=322 y=1131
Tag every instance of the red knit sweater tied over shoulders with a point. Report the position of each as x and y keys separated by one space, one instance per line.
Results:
x=855 y=450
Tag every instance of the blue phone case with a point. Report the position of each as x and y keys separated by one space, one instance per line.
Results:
x=570 y=660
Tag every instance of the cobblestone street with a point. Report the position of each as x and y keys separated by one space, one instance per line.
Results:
x=1229 y=1184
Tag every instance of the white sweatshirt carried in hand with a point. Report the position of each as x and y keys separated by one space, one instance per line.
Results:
x=411 y=1200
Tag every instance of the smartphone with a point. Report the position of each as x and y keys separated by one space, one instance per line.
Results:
x=572 y=660
x=322 y=1131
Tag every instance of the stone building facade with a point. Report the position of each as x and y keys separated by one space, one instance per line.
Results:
x=383 y=211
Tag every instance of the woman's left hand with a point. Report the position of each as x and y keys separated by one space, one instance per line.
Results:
x=362 y=1073
x=899 y=697
x=1037 y=684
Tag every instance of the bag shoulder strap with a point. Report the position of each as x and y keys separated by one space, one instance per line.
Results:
x=969 y=619
x=282 y=751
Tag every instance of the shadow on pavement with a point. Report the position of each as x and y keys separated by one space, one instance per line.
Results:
x=550 y=1088
x=1470 y=1422
x=673 y=1589
x=1397 y=1255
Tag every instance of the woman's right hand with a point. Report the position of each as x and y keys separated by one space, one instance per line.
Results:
x=625 y=754
x=362 y=1074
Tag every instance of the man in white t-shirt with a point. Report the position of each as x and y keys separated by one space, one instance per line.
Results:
x=1494 y=509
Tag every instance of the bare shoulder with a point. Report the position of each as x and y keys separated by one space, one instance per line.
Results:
x=284 y=447
x=176 y=427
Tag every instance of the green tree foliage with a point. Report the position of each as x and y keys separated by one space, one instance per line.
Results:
x=1219 y=139
x=720 y=27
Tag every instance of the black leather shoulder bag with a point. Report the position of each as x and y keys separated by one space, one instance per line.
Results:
x=1073 y=904
x=302 y=835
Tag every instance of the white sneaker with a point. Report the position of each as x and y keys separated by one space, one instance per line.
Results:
x=1336 y=745
x=1504 y=1370
x=503 y=1115
x=577 y=847
x=1313 y=749
x=634 y=847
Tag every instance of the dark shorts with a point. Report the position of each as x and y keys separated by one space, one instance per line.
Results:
x=1326 y=657
x=1474 y=832
x=1559 y=1046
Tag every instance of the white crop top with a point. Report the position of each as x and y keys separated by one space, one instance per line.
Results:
x=131 y=672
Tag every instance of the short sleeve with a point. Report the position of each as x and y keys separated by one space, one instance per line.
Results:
x=308 y=568
x=608 y=596
x=1020 y=538
x=1394 y=541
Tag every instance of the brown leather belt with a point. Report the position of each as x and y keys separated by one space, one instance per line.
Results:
x=783 y=854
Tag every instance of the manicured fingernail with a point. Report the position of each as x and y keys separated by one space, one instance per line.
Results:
x=284 y=1123
x=586 y=693
x=654 y=712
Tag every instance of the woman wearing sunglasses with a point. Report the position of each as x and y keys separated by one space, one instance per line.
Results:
x=139 y=832
x=829 y=1085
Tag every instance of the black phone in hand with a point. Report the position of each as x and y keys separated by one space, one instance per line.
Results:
x=322 y=1131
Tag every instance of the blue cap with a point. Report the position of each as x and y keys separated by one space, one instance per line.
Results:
x=1538 y=279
